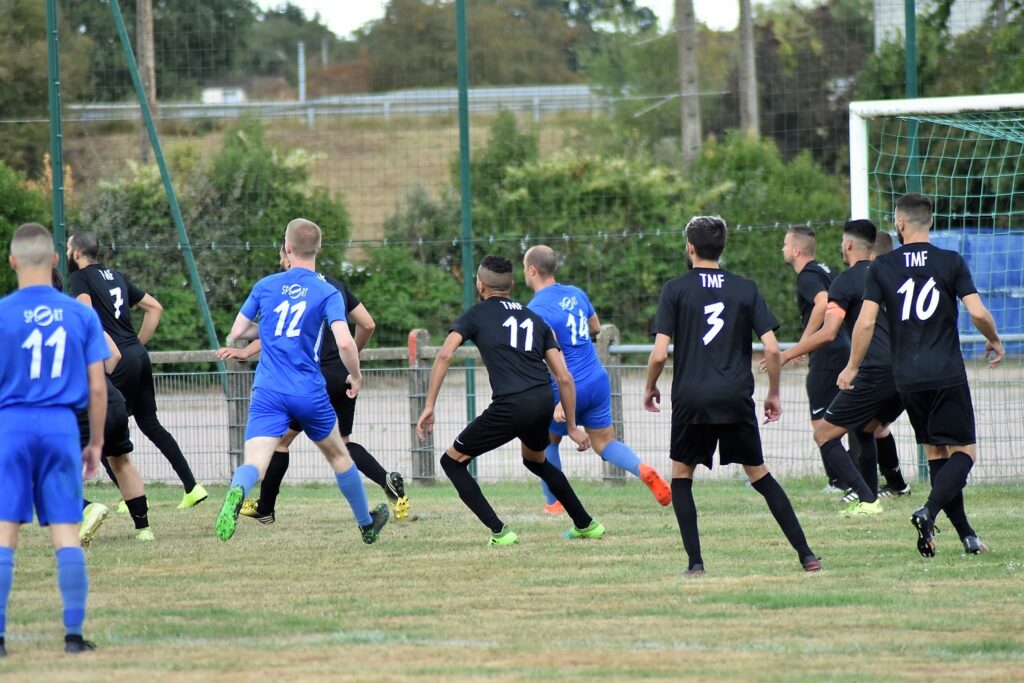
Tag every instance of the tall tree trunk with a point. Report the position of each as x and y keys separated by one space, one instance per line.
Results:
x=144 y=56
x=750 y=120
x=689 y=101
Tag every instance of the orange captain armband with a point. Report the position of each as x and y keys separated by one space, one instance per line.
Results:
x=835 y=309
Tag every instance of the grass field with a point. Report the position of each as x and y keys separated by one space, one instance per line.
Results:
x=304 y=599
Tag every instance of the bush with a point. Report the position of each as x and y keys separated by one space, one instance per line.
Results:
x=18 y=204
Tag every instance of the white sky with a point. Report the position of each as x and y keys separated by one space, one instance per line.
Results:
x=344 y=16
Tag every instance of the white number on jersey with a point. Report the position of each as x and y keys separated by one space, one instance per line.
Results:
x=713 y=311
x=35 y=343
x=282 y=310
x=513 y=339
x=580 y=334
x=118 y=301
x=927 y=299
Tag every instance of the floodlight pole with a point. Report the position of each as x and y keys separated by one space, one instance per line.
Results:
x=910 y=71
x=56 y=137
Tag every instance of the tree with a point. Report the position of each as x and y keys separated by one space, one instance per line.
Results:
x=749 y=117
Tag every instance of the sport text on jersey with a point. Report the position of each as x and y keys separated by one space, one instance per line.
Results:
x=712 y=280
x=915 y=259
x=294 y=291
x=43 y=315
x=568 y=303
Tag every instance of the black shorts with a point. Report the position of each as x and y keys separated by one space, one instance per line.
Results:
x=344 y=407
x=524 y=416
x=942 y=417
x=117 y=439
x=821 y=390
x=873 y=397
x=738 y=443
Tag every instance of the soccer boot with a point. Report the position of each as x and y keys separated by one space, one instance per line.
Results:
x=696 y=569
x=74 y=645
x=595 y=530
x=922 y=521
x=888 y=491
x=974 y=545
x=811 y=563
x=379 y=516
x=653 y=480
x=394 y=489
x=194 y=497
x=122 y=507
x=251 y=508
x=554 y=508
x=861 y=509
x=3 y=648
x=145 y=535
x=504 y=537
x=831 y=489
x=850 y=496
x=228 y=517
x=93 y=517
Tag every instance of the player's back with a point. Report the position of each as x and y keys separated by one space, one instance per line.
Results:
x=813 y=278
x=113 y=297
x=49 y=340
x=329 y=354
x=291 y=309
x=567 y=311
x=847 y=291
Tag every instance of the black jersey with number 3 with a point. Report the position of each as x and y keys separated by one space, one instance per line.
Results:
x=812 y=279
x=712 y=315
x=113 y=296
x=920 y=284
x=512 y=340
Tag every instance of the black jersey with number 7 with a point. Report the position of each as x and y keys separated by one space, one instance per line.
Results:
x=113 y=296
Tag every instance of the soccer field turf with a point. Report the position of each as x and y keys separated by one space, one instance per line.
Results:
x=305 y=599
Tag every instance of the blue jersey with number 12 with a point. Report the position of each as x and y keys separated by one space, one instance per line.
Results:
x=568 y=310
x=291 y=308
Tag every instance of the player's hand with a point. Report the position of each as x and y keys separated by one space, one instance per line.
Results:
x=580 y=438
x=652 y=397
x=772 y=408
x=425 y=425
x=355 y=384
x=845 y=380
x=229 y=353
x=997 y=351
x=559 y=415
x=91 y=460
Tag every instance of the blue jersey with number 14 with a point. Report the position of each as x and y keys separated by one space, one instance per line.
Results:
x=567 y=310
x=291 y=308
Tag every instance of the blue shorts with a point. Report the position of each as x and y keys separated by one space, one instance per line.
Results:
x=593 y=405
x=40 y=465
x=271 y=411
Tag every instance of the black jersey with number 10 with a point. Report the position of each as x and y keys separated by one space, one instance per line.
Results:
x=113 y=296
x=712 y=315
x=512 y=340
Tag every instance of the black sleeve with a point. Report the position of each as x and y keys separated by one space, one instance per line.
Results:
x=872 y=285
x=466 y=324
x=79 y=284
x=351 y=300
x=964 y=281
x=808 y=284
x=134 y=294
x=764 y=320
x=840 y=293
x=665 y=320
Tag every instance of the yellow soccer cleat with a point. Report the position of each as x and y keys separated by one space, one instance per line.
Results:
x=194 y=497
x=92 y=519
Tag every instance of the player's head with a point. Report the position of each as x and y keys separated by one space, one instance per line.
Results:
x=83 y=247
x=705 y=238
x=32 y=250
x=798 y=245
x=302 y=239
x=539 y=266
x=858 y=239
x=883 y=244
x=494 y=275
x=912 y=215
x=282 y=257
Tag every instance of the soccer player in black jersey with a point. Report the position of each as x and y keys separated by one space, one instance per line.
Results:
x=112 y=296
x=711 y=313
x=919 y=284
x=518 y=349
x=335 y=373
x=812 y=282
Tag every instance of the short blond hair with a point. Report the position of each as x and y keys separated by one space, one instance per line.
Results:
x=304 y=237
x=32 y=245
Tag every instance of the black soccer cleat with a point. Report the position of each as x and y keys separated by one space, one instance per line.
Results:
x=974 y=545
x=395 y=487
x=371 y=532
x=850 y=496
x=3 y=648
x=922 y=521
x=74 y=645
x=696 y=569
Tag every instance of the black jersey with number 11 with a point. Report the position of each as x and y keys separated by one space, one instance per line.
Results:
x=512 y=340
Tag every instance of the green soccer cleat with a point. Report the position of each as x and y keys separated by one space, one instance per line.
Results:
x=122 y=507
x=379 y=517
x=145 y=535
x=861 y=509
x=595 y=530
x=228 y=517
x=504 y=537
x=93 y=517
x=194 y=497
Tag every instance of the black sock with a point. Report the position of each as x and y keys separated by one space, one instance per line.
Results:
x=833 y=478
x=833 y=452
x=271 y=486
x=686 y=516
x=868 y=459
x=138 y=508
x=949 y=481
x=889 y=462
x=165 y=443
x=782 y=510
x=562 y=490
x=954 y=510
x=470 y=493
x=110 y=472
x=368 y=465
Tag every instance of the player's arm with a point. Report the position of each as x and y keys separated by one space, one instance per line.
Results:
x=773 y=366
x=115 y=354
x=243 y=328
x=232 y=353
x=349 y=356
x=567 y=391
x=85 y=299
x=595 y=325
x=862 y=332
x=826 y=334
x=364 y=325
x=817 y=315
x=986 y=324
x=97 y=418
x=151 y=312
x=655 y=366
x=442 y=361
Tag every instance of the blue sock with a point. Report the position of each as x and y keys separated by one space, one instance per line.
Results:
x=621 y=455
x=551 y=453
x=352 y=488
x=245 y=476
x=6 y=577
x=74 y=586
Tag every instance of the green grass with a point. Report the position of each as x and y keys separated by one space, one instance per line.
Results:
x=306 y=599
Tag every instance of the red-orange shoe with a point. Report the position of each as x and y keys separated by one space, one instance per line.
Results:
x=554 y=508
x=658 y=486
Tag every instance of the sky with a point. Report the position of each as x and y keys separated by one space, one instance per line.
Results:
x=344 y=16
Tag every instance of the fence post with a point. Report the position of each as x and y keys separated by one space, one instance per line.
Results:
x=610 y=335
x=419 y=382
x=239 y=395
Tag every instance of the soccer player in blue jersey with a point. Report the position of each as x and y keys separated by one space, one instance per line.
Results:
x=52 y=365
x=290 y=309
x=568 y=311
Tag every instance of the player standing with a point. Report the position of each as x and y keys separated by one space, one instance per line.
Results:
x=571 y=316
x=919 y=285
x=52 y=365
x=711 y=313
x=518 y=349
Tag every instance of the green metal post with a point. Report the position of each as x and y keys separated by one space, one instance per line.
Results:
x=56 y=136
x=465 y=189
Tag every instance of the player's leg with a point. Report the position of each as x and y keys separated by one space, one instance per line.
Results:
x=8 y=544
x=349 y=482
x=134 y=494
x=584 y=526
x=867 y=455
x=889 y=464
x=954 y=509
x=16 y=462
x=685 y=509
x=73 y=581
x=828 y=438
x=263 y=509
x=551 y=454
x=820 y=393
x=606 y=444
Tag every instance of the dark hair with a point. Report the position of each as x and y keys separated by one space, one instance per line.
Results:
x=86 y=243
x=496 y=264
x=495 y=272
x=57 y=280
x=883 y=243
x=707 y=234
x=862 y=229
x=916 y=208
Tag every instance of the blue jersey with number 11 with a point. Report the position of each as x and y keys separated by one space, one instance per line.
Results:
x=291 y=308
x=568 y=310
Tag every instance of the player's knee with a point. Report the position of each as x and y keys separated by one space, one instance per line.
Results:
x=450 y=464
